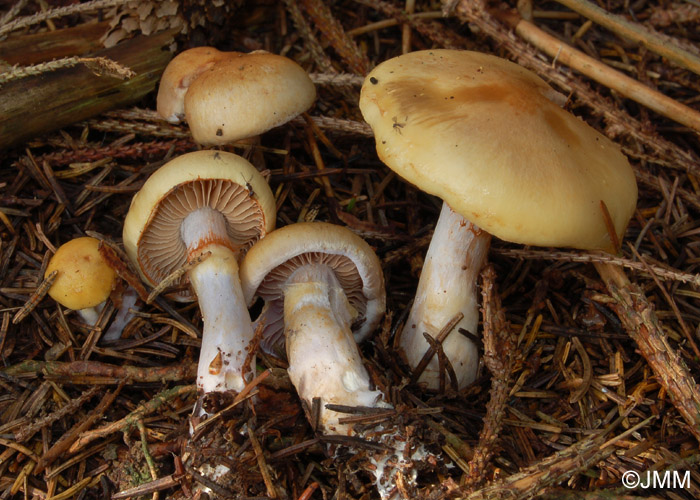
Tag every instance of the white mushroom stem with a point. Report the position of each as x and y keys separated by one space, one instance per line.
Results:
x=325 y=363
x=123 y=316
x=227 y=329
x=447 y=286
x=90 y=315
x=324 y=360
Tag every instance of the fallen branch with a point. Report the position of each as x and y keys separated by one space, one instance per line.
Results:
x=499 y=355
x=110 y=374
x=639 y=319
x=555 y=469
x=72 y=94
x=70 y=437
x=636 y=32
x=131 y=419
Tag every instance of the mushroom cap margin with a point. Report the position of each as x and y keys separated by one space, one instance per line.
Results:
x=318 y=237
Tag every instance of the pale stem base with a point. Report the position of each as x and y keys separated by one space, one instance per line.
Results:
x=90 y=315
x=324 y=360
x=447 y=286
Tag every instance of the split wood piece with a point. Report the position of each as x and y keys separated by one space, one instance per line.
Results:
x=600 y=72
x=636 y=32
x=40 y=47
x=640 y=322
x=272 y=491
x=35 y=105
x=154 y=486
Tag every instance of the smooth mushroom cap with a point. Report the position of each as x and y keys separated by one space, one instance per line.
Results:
x=179 y=74
x=216 y=179
x=484 y=134
x=246 y=95
x=84 y=278
x=271 y=261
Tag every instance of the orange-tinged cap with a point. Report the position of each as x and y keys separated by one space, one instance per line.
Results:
x=484 y=135
x=84 y=278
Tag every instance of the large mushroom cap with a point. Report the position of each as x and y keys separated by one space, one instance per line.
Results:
x=84 y=278
x=222 y=181
x=482 y=133
x=246 y=95
x=179 y=74
x=271 y=261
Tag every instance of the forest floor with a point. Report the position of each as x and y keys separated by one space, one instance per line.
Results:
x=591 y=359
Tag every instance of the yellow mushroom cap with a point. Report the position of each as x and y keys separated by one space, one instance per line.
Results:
x=246 y=95
x=484 y=135
x=84 y=278
x=216 y=179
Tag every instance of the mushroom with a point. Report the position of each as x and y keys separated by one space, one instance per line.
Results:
x=328 y=285
x=84 y=279
x=214 y=205
x=229 y=96
x=487 y=137
x=177 y=77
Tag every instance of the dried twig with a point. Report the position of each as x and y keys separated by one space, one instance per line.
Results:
x=101 y=66
x=641 y=323
x=662 y=272
x=35 y=298
x=68 y=10
x=334 y=33
x=499 y=356
x=156 y=402
x=74 y=405
x=656 y=42
x=629 y=87
x=70 y=438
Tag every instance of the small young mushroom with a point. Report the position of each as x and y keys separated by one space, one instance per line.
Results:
x=229 y=96
x=209 y=204
x=179 y=74
x=486 y=136
x=84 y=280
x=328 y=284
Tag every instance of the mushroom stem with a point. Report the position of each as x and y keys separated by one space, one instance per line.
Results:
x=90 y=315
x=324 y=360
x=123 y=316
x=447 y=286
x=227 y=331
x=325 y=363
